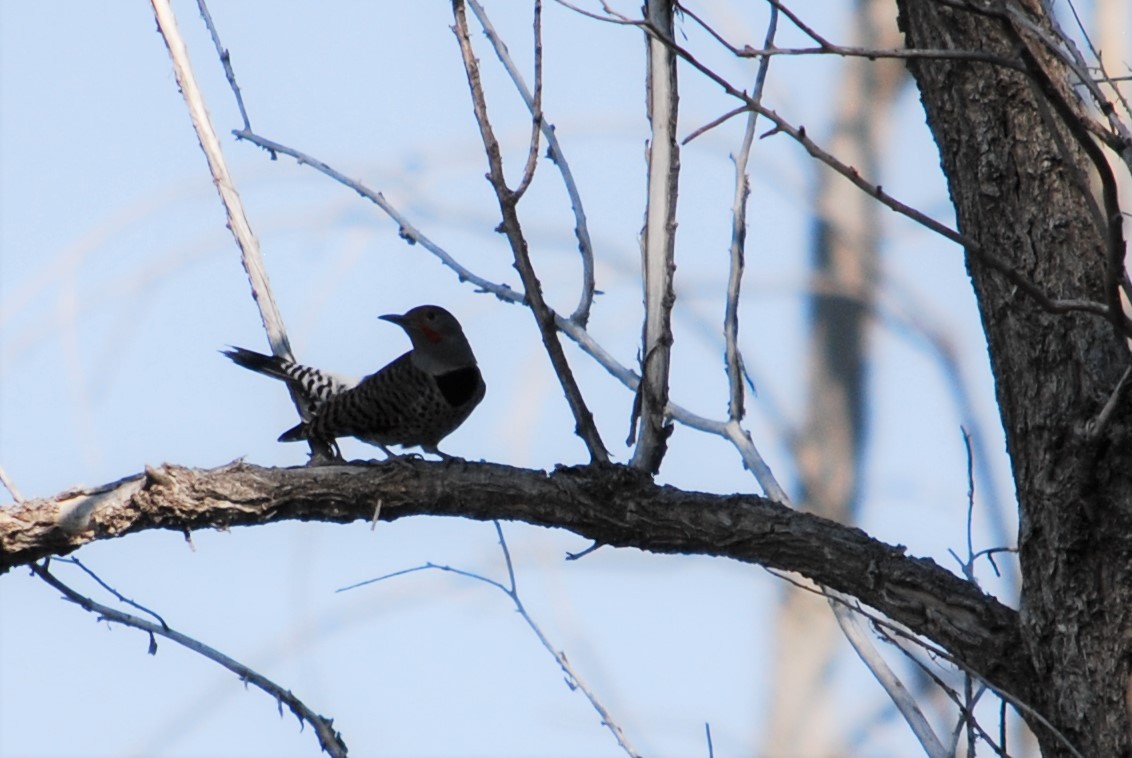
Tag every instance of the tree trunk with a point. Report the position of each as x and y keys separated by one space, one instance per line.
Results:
x=1013 y=166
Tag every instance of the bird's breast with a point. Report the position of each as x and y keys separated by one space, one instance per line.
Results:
x=460 y=386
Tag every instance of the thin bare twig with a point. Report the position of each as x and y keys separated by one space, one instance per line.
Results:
x=972 y=246
x=825 y=47
x=733 y=359
x=225 y=61
x=717 y=121
x=1081 y=65
x=532 y=288
x=536 y=109
x=581 y=313
x=121 y=598
x=328 y=738
x=406 y=229
x=573 y=680
x=881 y=622
x=1095 y=427
x=964 y=715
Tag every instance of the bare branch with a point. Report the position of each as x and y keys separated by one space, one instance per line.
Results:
x=581 y=313
x=121 y=598
x=532 y=288
x=825 y=47
x=739 y=238
x=901 y=698
x=328 y=738
x=875 y=190
x=658 y=245
x=225 y=60
x=229 y=196
x=573 y=679
x=887 y=628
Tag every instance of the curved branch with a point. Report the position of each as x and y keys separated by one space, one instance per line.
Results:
x=612 y=505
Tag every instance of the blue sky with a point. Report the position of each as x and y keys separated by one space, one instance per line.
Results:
x=119 y=284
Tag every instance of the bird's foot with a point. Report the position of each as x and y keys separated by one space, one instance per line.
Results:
x=442 y=455
x=325 y=454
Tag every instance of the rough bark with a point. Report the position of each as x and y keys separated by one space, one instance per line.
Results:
x=612 y=505
x=1012 y=168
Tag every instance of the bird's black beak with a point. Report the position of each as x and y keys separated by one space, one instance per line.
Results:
x=395 y=318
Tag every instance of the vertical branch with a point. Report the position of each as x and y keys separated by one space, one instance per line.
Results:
x=739 y=236
x=658 y=242
x=508 y=206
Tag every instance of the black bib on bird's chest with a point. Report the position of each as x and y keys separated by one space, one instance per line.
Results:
x=459 y=386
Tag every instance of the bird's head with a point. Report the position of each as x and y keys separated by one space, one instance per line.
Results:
x=439 y=344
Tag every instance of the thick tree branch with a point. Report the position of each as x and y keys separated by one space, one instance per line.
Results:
x=609 y=504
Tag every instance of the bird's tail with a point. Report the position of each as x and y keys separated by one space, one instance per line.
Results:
x=269 y=365
x=295 y=433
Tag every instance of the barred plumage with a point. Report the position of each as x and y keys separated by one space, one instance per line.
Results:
x=417 y=400
x=311 y=385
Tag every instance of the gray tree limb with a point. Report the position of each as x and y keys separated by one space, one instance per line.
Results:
x=612 y=505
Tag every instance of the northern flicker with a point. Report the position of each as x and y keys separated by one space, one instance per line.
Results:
x=417 y=400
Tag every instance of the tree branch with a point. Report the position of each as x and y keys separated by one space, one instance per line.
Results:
x=658 y=246
x=613 y=505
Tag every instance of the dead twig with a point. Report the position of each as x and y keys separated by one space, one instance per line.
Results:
x=329 y=739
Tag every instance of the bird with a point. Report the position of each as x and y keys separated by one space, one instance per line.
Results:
x=415 y=401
